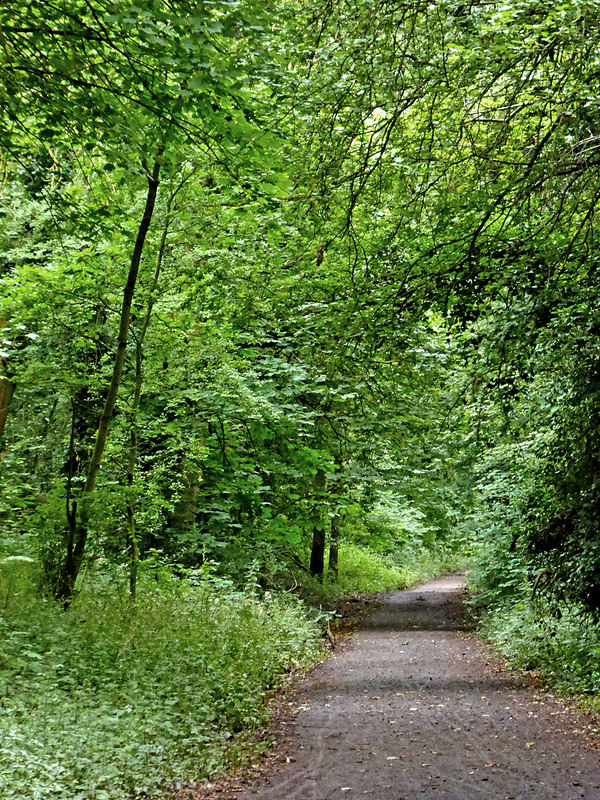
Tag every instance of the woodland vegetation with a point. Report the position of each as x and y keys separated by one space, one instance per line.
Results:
x=296 y=299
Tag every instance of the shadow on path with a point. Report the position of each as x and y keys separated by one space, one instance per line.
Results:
x=430 y=607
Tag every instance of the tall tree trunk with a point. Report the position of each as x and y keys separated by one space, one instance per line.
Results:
x=334 y=546
x=317 y=553
x=134 y=548
x=7 y=389
x=77 y=534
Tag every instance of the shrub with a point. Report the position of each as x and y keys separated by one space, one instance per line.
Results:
x=565 y=649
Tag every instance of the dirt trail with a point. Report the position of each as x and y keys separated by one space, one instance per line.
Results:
x=416 y=707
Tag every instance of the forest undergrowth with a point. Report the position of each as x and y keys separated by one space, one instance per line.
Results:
x=112 y=700
x=565 y=651
x=558 y=641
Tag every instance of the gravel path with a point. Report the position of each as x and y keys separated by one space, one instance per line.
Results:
x=414 y=706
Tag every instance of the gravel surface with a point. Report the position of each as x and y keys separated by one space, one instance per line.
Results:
x=412 y=706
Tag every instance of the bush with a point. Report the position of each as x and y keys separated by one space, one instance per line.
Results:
x=362 y=570
x=565 y=650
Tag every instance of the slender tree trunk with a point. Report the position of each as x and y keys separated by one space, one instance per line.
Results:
x=334 y=546
x=7 y=389
x=77 y=542
x=317 y=554
x=134 y=548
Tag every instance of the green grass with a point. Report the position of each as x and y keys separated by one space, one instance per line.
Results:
x=110 y=701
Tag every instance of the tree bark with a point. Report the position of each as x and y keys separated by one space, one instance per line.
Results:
x=77 y=539
x=334 y=546
x=7 y=389
x=134 y=547
x=317 y=554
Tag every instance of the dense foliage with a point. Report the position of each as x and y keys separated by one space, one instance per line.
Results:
x=310 y=279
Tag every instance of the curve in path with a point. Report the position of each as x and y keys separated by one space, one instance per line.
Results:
x=416 y=707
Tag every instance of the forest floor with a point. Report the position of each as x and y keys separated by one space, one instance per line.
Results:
x=414 y=705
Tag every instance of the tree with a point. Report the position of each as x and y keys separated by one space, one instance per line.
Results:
x=129 y=84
